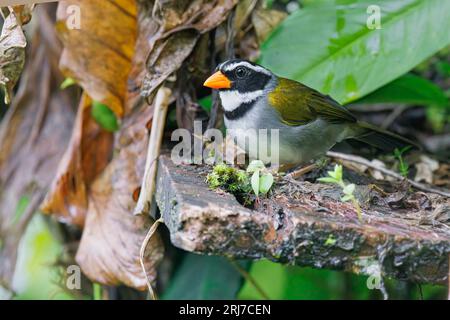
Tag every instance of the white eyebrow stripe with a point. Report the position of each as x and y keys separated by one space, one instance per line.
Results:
x=248 y=65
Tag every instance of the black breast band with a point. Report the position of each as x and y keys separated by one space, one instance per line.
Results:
x=240 y=111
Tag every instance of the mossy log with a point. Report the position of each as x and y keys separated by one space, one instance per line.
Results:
x=309 y=228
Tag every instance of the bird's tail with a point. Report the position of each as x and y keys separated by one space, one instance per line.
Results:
x=380 y=138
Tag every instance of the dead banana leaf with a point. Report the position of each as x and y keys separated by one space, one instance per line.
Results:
x=33 y=136
x=100 y=60
x=98 y=55
x=12 y=54
x=88 y=154
x=112 y=236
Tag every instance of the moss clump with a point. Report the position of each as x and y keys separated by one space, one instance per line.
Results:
x=232 y=180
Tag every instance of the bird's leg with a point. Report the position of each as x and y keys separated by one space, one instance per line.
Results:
x=301 y=171
x=322 y=162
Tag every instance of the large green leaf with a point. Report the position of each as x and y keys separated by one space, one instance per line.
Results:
x=408 y=89
x=328 y=46
x=205 y=277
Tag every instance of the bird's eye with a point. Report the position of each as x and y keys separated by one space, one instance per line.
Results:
x=241 y=72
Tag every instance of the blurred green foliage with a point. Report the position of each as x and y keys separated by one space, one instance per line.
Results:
x=202 y=277
x=328 y=46
x=408 y=89
x=36 y=275
x=289 y=282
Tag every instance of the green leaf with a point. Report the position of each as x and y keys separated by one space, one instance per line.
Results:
x=205 y=277
x=255 y=165
x=67 y=83
x=346 y=198
x=330 y=240
x=332 y=174
x=265 y=183
x=255 y=182
x=328 y=46
x=408 y=89
x=104 y=116
x=327 y=179
x=206 y=103
x=348 y=189
x=443 y=68
x=338 y=172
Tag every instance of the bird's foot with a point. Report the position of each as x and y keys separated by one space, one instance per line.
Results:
x=322 y=162
x=301 y=170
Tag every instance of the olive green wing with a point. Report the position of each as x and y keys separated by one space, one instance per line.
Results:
x=298 y=104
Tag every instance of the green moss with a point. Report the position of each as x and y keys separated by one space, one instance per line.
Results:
x=232 y=180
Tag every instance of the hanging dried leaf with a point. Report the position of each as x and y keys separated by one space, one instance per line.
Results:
x=109 y=247
x=12 y=54
x=98 y=54
x=244 y=10
x=112 y=237
x=167 y=58
x=182 y=24
x=33 y=136
x=87 y=155
x=23 y=12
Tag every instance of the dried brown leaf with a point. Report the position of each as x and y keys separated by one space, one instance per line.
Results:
x=182 y=23
x=99 y=54
x=87 y=155
x=112 y=237
x=23 y=12
x=12 y=54
x=33 y=136
x=109 y=247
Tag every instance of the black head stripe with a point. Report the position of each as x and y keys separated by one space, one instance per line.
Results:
x=240 y=111
x=255 y=79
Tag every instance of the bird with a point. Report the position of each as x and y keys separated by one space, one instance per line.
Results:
x=308 y=122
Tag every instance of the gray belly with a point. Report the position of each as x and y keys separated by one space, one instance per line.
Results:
x=294 y=144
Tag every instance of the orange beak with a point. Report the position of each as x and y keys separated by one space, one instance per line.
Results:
x=218 y=81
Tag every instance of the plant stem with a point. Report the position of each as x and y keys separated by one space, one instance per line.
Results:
x=357 y=207
x=367 y=163
x=249 y=278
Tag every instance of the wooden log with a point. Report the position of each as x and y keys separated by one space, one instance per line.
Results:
x=312 y=228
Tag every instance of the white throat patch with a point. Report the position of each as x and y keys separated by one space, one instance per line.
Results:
x=232 y=99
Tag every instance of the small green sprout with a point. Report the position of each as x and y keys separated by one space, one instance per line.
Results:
x=67 y=83
x=331 y=241
x=261 y=179
x=348 y=189
x=403 y=167
x=239 y=182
